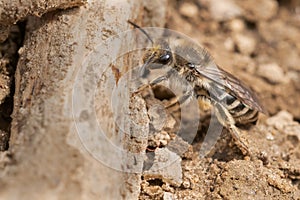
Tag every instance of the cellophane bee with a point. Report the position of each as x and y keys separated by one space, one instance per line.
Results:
x=233 y=102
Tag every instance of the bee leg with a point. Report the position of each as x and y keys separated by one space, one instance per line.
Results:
x=227 y=121
x=235 y=134
x=158 y=80
x=185 y=98
x=140 y=89
x=151 y=84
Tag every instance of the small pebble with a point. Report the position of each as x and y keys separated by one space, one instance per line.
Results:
x=188 y=9
x=167 y=196
x=224 y=10
x=258 y=10
x=272 y=72
x=269 y=136
x=236 y=25
x=246 y=44
x=280 y=120
x=229 y=44
x=166 y=166
x=157 y=115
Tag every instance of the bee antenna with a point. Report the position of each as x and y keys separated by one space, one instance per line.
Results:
x=142 y=30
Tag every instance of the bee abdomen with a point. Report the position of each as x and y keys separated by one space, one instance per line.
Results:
x=241 y=113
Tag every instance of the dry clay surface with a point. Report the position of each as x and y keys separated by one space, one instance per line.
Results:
x=11 y=38
x=45 y=158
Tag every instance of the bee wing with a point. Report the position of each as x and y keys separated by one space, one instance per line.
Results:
x=231 y=84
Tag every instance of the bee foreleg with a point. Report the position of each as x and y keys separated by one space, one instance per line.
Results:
x=161 y=78
x=158 y=80
x=152 y=83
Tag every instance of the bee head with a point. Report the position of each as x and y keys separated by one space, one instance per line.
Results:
x=159 y=54
x=157 y=57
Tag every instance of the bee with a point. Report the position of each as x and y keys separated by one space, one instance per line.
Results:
x=234 y=103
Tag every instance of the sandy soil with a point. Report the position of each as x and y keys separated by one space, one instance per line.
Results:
x=260 y=46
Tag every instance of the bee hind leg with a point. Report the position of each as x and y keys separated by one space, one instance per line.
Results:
x=225 y=118
x=235 y=134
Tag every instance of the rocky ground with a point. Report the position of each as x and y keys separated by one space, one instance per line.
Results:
x=260 y=45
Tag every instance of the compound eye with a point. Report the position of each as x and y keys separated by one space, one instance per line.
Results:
x=191 y=65
x=165 y=59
